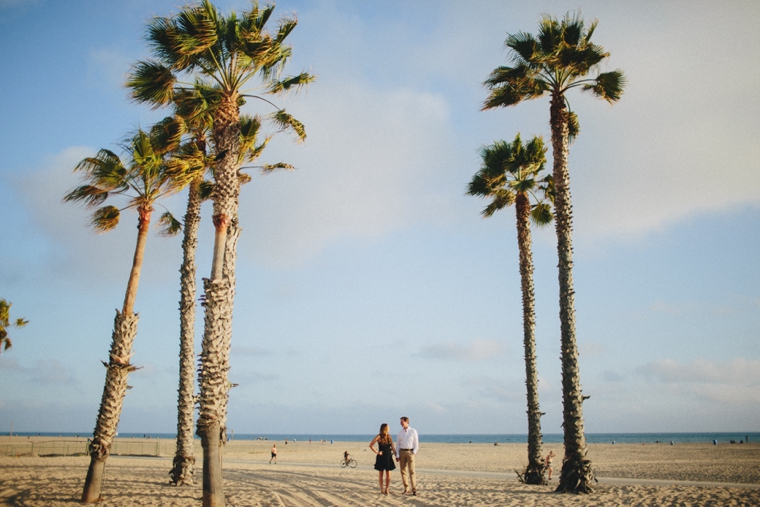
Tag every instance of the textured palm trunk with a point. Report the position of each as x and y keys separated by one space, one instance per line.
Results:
x=183 y=468
x=219 y=298
x=576 y=475
x=228 y=273
x=534 y=472
x=117 y=371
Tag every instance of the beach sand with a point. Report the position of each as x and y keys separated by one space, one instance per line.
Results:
x=448 y=475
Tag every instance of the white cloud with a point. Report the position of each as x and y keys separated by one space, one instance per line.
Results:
x=680 y=147
x=476 y=350
x=367 y=169
x=107 y=68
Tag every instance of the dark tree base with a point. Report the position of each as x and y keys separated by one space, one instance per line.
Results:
x=576 y=477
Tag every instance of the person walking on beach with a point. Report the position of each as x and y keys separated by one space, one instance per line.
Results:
x=274 y=454
x=549 y=458
x=384 y=460
x=408 y=442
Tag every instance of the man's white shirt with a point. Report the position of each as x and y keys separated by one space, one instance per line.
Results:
x=408 y=439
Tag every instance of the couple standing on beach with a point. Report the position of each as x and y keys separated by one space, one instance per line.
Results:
x=408 y=443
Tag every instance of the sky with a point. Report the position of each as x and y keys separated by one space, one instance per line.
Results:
x=369 y=286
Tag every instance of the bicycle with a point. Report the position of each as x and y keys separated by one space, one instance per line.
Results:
x=351 y=462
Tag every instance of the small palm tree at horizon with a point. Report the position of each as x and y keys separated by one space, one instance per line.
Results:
x=557 y=60
x=6 y=323
x=511 y=174
x=143 y=181
x=201 y=49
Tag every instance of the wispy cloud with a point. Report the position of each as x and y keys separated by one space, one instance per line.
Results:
x=739 y=370
x=488 y=387
x=736 y=381
x=242 y=350
x=46 y=372
x=476 y=350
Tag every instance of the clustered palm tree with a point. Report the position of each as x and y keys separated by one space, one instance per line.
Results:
x=558 y=59
x=225 y=58
x=6 y=323
x=511 y=173
x=143 y=179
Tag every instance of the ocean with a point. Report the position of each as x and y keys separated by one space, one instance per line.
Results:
x=548 y=438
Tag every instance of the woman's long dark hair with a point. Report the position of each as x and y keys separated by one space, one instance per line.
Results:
x=385 y=437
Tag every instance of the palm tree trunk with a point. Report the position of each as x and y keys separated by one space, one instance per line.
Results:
x=219 y=298
x=183 y=468
x=118 y=368
x=534 y=472
x=228 y=272
x=576 y=475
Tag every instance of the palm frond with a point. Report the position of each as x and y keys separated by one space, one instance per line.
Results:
x=525 y=47
x=608 y=85
x=291 y=83
x=106 y=218
x=205 y=190
x=549 y=34
x=244 y=178
x=502 y=198
x=286 y=122
x=168 y=225
x=511 y=85
x=166 y=135
x=268 y=168
x=152 y=82
x=90 y=194
x=482 y=186
x=541 y=214
x=573 y=126
x=286 y=26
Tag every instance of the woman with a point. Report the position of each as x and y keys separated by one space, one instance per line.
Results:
x=385 y=455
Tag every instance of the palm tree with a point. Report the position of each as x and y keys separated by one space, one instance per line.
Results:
x=510 y=175
x=185 y=138
x=192 y=123
x=219 y=55
x=557 y=60
x=5 y=323
x=143 y=179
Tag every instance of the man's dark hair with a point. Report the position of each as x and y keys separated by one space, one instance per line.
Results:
x=405 y=418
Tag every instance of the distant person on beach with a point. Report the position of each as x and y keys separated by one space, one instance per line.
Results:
x=549 y=458
x=384 y=460
x=274 y=454
x=408 y=442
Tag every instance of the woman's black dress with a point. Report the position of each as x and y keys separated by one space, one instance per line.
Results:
x=385 y=461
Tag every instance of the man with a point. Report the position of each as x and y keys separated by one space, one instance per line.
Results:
x=407 y=444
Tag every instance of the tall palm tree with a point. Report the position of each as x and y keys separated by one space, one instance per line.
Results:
x=185 y=135
x=510 y=175
x=200 y=48
x=143 y=180
x=6 y=323
x=558 y=59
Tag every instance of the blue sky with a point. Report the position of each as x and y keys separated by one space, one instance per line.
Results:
x=369 y=286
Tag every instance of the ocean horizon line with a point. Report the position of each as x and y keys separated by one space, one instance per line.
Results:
x=548 y=438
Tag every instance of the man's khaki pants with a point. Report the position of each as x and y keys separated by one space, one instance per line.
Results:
x=406 y=461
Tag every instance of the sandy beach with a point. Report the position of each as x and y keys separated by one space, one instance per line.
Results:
x=449 y=475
